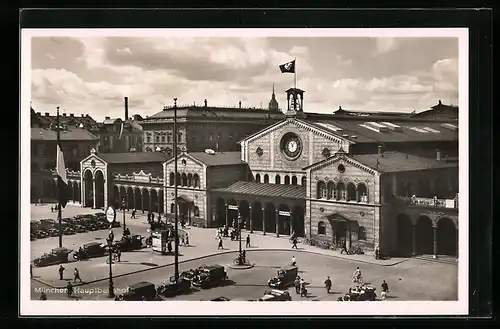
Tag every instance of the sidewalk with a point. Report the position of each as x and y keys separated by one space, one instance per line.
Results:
x=203 y=245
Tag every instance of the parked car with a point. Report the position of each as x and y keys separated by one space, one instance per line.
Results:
x=89 y=250
x=174 y=288
x=80 y=228
x=210 y=276
x=366 y=293
x=53 y=232
x=55 y=256
x=90 y=225
x=41 y=234
x=130 y=242
x=275 y=295
x=285 y=277
x=47 y=223
x=139 y=291
x=69 y=231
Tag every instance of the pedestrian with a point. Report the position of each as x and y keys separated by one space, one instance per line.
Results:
x=187 y=240
x=293 y=262
x=328 y=285
x=118 y=254
x=76 y=275
x=294 y=243
x=61 y=272
x=149 y=217
x=297 y=284
x=69 y=289
x=43 y=296
x=344 y=247
x=385 y=287
x=248 y=241
x=133 y=214
x=111 y=235
x=220 y=244
x=303 y=290
x=183 y=241
x=51 y=209
x=244 y=255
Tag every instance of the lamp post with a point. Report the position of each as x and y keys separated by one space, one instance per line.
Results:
x=124 y=205
x=240 y=259
x=176 y=215
x=111 y=293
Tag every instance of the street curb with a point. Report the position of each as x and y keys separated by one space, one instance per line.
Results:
x=212 y=255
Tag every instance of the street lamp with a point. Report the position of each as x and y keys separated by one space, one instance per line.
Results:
x=240 y=259
x=124 y=205
x=111 y=293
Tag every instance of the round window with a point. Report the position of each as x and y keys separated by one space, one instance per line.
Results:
x=341 y=168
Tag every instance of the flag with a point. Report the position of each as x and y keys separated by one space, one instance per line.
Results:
x=288 y=67
x=62 y=180
x=121 y=131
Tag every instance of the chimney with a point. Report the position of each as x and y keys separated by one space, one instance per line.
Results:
x=82 y=115
x=240 y=104
x=205 y=101
x=72 y=115
x=107 y=118
x=126 y=108
x=47 y=114
x=438 y=155
x=380 y=151
x=64 y=114
x=38 y=113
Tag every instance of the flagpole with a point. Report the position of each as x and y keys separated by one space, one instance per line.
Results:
x=59 y=212
x=295 y=72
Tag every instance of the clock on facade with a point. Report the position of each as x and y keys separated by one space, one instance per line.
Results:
x=291 y=145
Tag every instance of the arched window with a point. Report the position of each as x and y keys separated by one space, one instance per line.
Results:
x=362 y=233
x=266 y=178
x=321 y=228
x=171 y=179
x=362 y=193
x=321 y=190
x=179 y=181
x=287 y=180
x=196 y=180
x=294 y=180
x=303 y=181
x=331 y=191
x=341 y=192
x=184 y=180
x=172 y=208
x=257 y=178
x=351 y=192
x=190 y=180
x=277 y=180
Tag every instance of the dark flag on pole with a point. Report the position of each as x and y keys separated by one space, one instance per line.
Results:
x=288 y=67
x=62 y=180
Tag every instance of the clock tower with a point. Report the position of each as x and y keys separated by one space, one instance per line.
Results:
x=295 y=100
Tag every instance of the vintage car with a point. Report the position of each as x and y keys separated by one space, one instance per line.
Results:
x=90 y=224
x=56 y=256
x=139 y=291
x=80 y=228
x=210 y=276
x=220 y=299
x=174 y=288
x=41 y=234
x=34 y=225
x=52 y=232
x=285 y=277
x=365 y=293
x=89 y=250
x=47 y=223
x=68 y=230
x=130 y=242
x=275 y=295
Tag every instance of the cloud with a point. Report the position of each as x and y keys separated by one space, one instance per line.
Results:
x=92 y=75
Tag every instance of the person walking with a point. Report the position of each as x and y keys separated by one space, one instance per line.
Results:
x=328 y=285
x=344 y=247
x=69 y=289
x=303 y=290
x=118 y=254
x=297 y=285
x=61 y=272
x=293 y=262
x=385 y=290
x=133 y=214
x=187 y=240
x=294 y=243
x=220 y=244
x=248 y=241
x=43 y=296
x=76 y=275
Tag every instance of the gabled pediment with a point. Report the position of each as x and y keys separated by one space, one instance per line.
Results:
x=337 y=159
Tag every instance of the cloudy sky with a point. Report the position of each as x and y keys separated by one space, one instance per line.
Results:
x=92 y=75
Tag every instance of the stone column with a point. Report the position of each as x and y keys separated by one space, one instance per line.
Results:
x=158 y=200
x=142 y=201
x=263 y=221
x=227 y=215
x=277 y=223
x=93 y=194
x=414 y=239
x=290 y=226
x=83 y=197
x=73 y=192
x=357 y=194
x=251 y=219
x=79 y=185
x=119 y=196
x=434 y=228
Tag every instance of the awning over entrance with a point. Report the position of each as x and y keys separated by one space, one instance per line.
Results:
x=340 y=216
x=185 y=199
x=266 y=189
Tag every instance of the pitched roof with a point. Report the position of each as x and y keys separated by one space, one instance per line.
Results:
x=111 y=121
x=218 y=159
x=73 y=134
x=267 y=189
x=397 y=161
x=217 y=113
x=134 y=157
